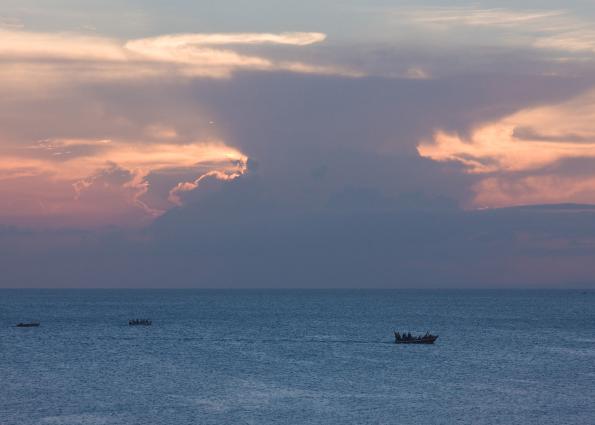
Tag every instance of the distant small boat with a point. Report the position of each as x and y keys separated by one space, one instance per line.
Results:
x=28 y=325
x=140 y=322
x=428 y=338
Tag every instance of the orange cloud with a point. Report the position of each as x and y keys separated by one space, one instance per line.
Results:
x=24 y=45
x=71 y=57
x=514 y=154
x=174 y=193
x=102 y=181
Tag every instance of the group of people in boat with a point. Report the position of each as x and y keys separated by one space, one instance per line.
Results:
x=145 y=322
x=408 y=337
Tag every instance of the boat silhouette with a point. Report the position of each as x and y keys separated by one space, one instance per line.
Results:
x=140 y=322
x=28 y=325
x=407 y=338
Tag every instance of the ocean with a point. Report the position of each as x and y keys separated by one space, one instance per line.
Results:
x=297 y=357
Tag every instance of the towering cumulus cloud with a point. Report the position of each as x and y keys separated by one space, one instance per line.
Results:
x=344 y=143
x=95 y=159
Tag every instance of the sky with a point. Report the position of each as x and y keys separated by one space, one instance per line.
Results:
x=311 y=144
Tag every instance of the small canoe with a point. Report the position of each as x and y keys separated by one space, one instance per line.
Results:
x=28 y=325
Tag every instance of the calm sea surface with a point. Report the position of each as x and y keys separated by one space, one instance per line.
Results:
x=297 y=357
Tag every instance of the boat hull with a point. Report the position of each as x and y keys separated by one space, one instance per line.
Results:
x=426 y=339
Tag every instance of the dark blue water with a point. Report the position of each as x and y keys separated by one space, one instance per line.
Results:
x=297 y=357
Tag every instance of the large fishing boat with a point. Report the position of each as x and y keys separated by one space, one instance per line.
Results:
x=407 y=338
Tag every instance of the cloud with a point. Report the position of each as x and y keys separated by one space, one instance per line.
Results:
x=11 y=23
x=185 y=40
x=543 y=29
x=175 y=194
x=197 y=54
x=64 y=157
x=344 y=192
x=513 y=153
x=169 y=134
x=89 y=178
x=473 y=16
x=570 y=39
x=67 y=57
x=30 y=46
